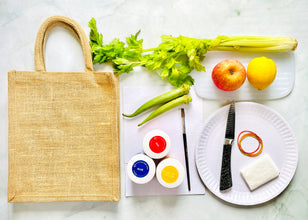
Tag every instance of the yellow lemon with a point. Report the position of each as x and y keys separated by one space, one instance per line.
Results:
x=261 y=72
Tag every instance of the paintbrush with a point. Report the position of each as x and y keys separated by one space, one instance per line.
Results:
x=185 y=147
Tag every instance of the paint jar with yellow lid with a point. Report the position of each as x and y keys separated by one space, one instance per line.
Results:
x=170 y=173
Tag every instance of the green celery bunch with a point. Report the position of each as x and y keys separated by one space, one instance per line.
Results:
x=115 y=49
x=175 y=57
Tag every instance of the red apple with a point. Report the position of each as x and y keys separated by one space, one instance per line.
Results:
x=229 y=75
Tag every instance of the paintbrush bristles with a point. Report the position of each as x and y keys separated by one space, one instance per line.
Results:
x=183 y=120
x=182 y=113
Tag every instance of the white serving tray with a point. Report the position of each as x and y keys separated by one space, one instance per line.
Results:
x=281 y=87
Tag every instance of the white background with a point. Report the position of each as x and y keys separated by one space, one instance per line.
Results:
x=19 y=23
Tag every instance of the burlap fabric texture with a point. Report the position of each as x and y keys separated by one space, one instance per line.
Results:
x=63 y=129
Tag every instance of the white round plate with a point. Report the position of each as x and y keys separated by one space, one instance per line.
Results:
x=279 y=143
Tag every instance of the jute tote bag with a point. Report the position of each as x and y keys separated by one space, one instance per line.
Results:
x=63 y=129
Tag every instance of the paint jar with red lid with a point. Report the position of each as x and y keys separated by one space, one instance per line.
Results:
x=156 y=144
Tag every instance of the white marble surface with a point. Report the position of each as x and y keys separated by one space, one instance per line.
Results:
x=20 y=20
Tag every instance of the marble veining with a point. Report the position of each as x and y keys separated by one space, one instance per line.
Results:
x=19 y=23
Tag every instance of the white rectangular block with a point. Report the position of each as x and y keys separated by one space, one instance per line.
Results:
x=260 y=172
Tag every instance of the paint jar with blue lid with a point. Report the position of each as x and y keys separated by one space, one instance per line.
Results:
x=170 y=173
x=141 y=169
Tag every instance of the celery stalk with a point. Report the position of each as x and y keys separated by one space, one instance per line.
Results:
x=254 y=44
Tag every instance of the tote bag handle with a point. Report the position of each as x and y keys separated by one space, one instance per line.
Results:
x=70 y=24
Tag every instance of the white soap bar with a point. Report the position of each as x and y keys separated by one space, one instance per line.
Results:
x=260 y=172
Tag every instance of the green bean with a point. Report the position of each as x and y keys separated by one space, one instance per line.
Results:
x=185 y=99
x=161 y=99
